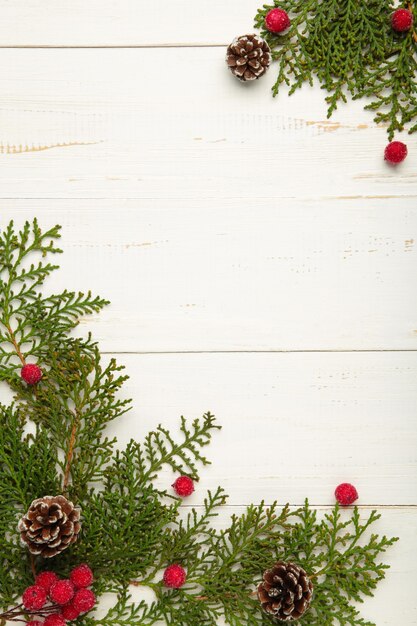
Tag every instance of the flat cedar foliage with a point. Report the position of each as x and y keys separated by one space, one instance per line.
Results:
x=131 y=529
x=350 y=47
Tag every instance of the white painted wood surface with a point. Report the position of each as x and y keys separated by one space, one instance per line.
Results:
x=260 y=260
x=123 y=22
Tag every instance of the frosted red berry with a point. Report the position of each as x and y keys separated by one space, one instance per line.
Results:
x=31 y=373
x=54 y=619
x=277 y=21
x=62 y=591
x=81 y=576
x=395 y=152
x=83 y=600
x=183 y=486
x=402 y=20
x=46 y=580
x=174 y=576
x=346 y=494
x=69 y=612
x=34 y=598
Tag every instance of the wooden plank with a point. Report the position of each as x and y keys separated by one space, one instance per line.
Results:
x=399 y=582
x=175 y=124
x=294 y=425
x=294 y=276
x=123 y=23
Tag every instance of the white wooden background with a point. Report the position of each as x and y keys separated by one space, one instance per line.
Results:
x=261 y=261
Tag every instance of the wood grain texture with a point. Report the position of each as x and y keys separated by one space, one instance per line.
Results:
x=305 y=422
x=123 y=23
x=147 y=123
x=192 y=276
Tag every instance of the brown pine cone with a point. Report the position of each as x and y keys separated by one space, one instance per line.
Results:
x=248 y=57
x=285 y=592
x=51 y=524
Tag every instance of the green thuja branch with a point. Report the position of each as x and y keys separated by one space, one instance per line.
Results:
x=393 y=86
x=54 y=439
x=351 y=49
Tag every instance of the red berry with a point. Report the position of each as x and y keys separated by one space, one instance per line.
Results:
x=69 y=612
x=346 y=494
x=34 y=622
x=174 y=576
x=395 y=152
x=84 y=600
x=81 y=576
x=54 y=619
x=46 y=580
x=62 y=591
x=34 y=598
x=31 y=373
x=277 y=21
x=401 y=20
x=183 y=486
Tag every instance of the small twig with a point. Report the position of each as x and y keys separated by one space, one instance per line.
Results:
x=15 y=344
x=410 y=8
x=70 y=453
x=13 y=614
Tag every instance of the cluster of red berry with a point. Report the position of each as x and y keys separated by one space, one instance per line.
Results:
x=59 y=600
x=277 y=21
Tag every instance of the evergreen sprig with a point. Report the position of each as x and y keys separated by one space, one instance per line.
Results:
x=350 y=47
x=53 y=440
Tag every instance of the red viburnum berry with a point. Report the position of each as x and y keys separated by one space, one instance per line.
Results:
x=31 y=373
x=395 y=152
x=54 y=619
x=81 y=576
x=83 y=600
x=34 y=598
x=69 y=612
x=346 y=494
x=34 y=622
x=46 y=580
x=62 y=591
x=277 y=21
x=183 y=486
x=174 y=576
x=402 y=20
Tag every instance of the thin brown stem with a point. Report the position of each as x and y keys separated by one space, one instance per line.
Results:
x=18 y=611
x=410 y=8
x=15 y=344
x=70 y=452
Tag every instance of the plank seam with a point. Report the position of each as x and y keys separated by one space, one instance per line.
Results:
x=330 y=351
x=110 y=46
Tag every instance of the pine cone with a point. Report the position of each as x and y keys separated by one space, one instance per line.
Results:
x=248 y=57
x=285 y=592
x=51 y=524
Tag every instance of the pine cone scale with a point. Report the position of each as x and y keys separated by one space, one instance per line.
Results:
x=51 y=524
x=248 y=57
x=285 y=591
